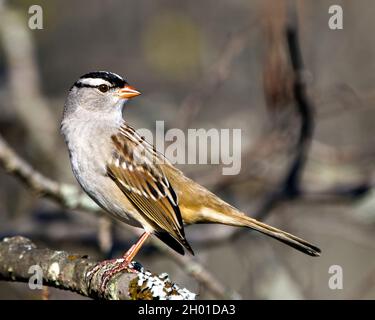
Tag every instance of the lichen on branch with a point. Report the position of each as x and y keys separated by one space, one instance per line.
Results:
x=62 y=270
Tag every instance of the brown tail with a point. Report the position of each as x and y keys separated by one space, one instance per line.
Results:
x=282 y=236
x=240 y=220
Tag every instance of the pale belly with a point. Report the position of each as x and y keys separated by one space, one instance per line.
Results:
x=103 y=190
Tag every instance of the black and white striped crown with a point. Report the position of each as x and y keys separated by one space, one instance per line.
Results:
x=97 y=78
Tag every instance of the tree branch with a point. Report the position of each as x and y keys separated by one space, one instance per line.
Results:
x=70 y=272
x=67 y=195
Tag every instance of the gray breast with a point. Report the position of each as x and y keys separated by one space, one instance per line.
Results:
x=90 y=148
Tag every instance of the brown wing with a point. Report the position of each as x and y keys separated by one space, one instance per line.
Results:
x=137 y=168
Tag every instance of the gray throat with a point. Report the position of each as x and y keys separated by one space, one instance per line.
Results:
x=88 y=137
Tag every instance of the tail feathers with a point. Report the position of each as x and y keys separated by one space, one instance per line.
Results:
x=235 y=218
x=280 y=235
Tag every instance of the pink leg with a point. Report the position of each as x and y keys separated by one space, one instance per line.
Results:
x=119 y=264
x=131 y=253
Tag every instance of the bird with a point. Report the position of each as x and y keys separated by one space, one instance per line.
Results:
x=132 y=181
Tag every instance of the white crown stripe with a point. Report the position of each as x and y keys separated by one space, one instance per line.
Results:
x=94 y=82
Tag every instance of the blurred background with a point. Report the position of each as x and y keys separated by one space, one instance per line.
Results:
x=307 y=132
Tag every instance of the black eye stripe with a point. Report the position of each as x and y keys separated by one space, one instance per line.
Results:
x=85 y=85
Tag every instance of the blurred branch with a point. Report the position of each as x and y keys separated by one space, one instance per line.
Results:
x=70 y=197
x=24 y=82
x=290 y=186
x=70 y=272
x=67 y=195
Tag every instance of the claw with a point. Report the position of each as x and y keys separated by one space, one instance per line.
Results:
x=106 y=264
x=123 y=265
x=115 y=266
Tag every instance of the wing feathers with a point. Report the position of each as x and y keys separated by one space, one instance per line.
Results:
x=137 y=169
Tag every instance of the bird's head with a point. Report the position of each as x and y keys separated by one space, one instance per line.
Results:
x=99 y=92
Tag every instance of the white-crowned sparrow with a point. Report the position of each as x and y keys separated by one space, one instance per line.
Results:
x=130 y=180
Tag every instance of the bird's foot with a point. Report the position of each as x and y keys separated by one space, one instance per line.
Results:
x=104 y=264
x=111 y=268
x=115 y=266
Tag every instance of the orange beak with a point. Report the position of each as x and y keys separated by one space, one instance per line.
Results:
x=128 y=92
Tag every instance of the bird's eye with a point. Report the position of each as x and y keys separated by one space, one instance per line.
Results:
x=103 y=88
